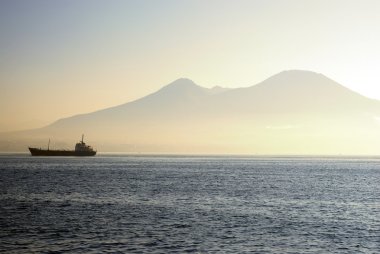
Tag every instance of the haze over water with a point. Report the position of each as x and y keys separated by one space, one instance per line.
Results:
x=191 y=77
x=74 y=57
x=169 y=204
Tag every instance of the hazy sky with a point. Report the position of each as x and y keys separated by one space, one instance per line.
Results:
x=59 y=58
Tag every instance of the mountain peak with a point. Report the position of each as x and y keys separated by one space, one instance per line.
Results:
x=182 y=86
x=298 y=80
x=298 y=75
x=179 y=89
x=298 y=72
x=181 y=82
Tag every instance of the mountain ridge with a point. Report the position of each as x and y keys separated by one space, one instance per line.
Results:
x=302 y=109
x=189 y=88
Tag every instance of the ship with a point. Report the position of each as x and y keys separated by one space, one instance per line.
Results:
x=81 y=149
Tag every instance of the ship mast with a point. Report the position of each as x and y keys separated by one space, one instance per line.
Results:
x=49 y=145
x=82 y=137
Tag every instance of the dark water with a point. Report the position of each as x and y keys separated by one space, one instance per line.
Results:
x=158 y=204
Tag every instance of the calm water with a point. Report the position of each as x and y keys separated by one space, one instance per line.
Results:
x=171 y=204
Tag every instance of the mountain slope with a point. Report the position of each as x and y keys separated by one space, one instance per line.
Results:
x=297 y=91
x=292 y=112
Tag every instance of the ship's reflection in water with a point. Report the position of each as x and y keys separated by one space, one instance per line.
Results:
x=156 y=204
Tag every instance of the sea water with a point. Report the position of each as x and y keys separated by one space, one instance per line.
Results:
x=179 y=204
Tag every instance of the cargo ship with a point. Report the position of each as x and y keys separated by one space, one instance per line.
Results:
x=81 y=149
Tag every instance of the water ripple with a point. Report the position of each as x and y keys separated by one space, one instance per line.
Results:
x=172 y=204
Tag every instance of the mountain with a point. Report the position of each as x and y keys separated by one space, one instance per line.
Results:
x=293 y=112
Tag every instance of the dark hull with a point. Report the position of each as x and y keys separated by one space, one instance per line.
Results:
x=41 y=152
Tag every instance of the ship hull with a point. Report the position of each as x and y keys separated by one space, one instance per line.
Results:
x=41 y=152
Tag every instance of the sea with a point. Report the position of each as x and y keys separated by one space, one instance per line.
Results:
x=117 y=203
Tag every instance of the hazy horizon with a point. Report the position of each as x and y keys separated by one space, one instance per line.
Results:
x=247 y=126
x=64 y=58
x=213 y=89
x=214 y=77
x=292 y=112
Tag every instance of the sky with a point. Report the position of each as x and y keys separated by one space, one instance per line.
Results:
x=61 y=58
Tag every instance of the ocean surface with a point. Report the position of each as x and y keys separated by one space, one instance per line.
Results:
x=189 y=204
